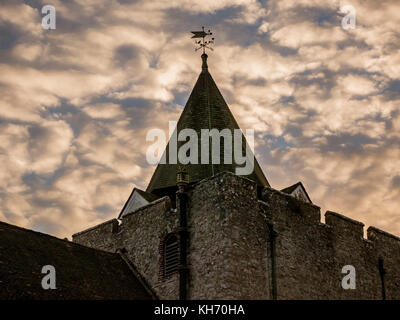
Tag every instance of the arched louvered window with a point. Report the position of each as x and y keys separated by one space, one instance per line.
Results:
x=171 y=255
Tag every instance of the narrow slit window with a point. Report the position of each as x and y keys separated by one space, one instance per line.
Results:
x=171 y=255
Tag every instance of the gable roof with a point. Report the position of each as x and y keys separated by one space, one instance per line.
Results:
x=81 y=272
x=205 y=109
x=129 y=206
x=289 y=190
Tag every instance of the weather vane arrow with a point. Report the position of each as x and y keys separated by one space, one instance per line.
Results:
x=198 y=34
x=205 y=44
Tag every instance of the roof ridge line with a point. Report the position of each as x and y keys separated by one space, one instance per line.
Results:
x=46 y=235
x=137 y=274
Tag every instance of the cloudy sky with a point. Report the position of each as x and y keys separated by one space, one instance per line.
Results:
x=76 y=102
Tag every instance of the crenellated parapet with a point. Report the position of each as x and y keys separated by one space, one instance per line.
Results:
x=281 y=206
x=309 y=252
x=245 y=244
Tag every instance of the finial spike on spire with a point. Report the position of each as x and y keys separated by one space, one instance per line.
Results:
x=204 y=66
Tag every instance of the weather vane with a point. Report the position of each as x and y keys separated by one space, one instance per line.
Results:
x=203 y=43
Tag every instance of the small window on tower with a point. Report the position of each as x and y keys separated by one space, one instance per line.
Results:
x=171 y=255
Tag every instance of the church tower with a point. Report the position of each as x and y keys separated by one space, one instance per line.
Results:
x=205 y=109
x=200 y=231
x=189 y=242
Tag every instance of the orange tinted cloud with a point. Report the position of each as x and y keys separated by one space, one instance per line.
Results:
x=76 y=102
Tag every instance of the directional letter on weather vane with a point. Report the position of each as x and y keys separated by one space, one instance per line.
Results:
x=203 y=43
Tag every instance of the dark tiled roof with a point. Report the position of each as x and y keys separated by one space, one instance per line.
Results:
x=290 y=189
x=147 y=195
x=81 y=272
x=205 y=109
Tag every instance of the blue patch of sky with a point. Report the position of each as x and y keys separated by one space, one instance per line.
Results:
x=323 y=16
x=284 y=100
x=9 y=35
x=393 y=88
x=36 y=4
x=63 y=108
x=347 y=142
x=104 y=211
x=281 y=143
x=273 y=142
x=36 y=181
x=180 y=98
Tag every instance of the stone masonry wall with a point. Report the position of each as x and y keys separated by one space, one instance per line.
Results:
x=140 y=234
x=310 y=255
x=228 y=240
x=242 y=247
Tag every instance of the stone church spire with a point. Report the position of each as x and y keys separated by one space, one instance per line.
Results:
x=205 y=109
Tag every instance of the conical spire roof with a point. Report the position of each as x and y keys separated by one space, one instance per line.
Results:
x=205 y=109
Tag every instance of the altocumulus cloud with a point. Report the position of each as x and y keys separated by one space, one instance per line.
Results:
x=76 y=102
